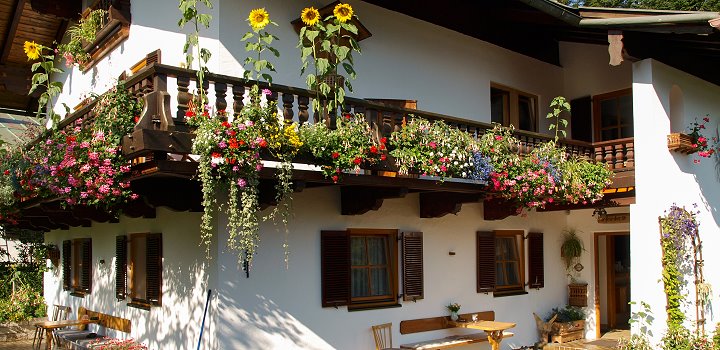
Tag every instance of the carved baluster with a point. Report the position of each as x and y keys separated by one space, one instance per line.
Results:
x=238 y=92
x=220 y=93
x=619 y=156
x=630 y=155
x=288 y=100
x=608 y=150
x=599 y=155
x=303 y=115
x=183 y=96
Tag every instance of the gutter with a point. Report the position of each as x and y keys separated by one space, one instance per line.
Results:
x=649 y=20
x=562 y=12
x=571 y=16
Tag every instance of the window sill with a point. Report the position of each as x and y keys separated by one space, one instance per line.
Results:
x=140 y=305
x=78 y=294
x=509 y=293
x=363 y=307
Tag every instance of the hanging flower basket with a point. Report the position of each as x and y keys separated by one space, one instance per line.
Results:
x=681 y=143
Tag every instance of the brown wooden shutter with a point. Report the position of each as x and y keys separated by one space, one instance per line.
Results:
x=335 y=268
x=154 y=268
x=121 y=253
x=66 y=264
x=412 y=266
x=485 y=262
x=536 y=261
x=86 y=268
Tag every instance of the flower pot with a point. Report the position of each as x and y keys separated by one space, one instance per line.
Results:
x=681 y=143
x=454 y=315
x=567 y=331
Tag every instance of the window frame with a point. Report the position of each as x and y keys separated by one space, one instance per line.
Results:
x=125 y=282
x=392 y=268
x=519 y=246
x=511 y=106
x=597 y=113
x=76 y=265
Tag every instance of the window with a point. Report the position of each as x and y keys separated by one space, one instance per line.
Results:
x=512 y=107
x=501 y=262
x=613 y=115
x=77 y=266
x=359 y=267
x=138 y=269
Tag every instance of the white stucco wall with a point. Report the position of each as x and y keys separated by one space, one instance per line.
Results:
x=665 y=178
x=586 y=70
x=186 y=277
x=280 y=309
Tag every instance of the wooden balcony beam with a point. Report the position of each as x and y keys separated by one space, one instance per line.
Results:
x=357 y=200
x=437 y=204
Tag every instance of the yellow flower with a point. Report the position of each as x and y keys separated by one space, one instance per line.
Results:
x=259 y=18
x=32 y=50
x=310 y=16
x=343 y=12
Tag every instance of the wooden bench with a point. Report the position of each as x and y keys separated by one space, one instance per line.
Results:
x=82 y=339
x=442 y=322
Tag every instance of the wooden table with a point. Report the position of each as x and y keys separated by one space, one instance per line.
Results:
x=494 y=329
x=49 y=326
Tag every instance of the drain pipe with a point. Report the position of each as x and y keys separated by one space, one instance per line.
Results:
x=649 y=20
x=562 y=12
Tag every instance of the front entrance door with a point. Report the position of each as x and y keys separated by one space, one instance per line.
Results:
x=612 y=280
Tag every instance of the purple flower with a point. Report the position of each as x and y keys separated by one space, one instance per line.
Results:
x=222 y=144
x=241 y=182
x=266 y=92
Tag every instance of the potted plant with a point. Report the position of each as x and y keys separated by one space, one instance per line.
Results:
x=571 y=250
x=453 y=308
x=694 y=141
x=569 y=324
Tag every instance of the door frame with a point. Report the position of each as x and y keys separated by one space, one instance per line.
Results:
x=596 y=252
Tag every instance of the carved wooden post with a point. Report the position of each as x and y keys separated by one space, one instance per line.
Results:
x=183 y=96
x=288 y=100
x=630 y=154
x=609 y=156
x=619 y=156
x=599 y=156
x=220 y=93
x=303 y=115
x=238 y=92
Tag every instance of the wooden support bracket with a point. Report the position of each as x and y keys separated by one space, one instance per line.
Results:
x=356 y=200
x=437 y=204
x=498 y=209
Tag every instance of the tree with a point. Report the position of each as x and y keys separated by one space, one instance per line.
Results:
x=679 y=5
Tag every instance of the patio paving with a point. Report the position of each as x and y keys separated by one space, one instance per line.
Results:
x=608 y=341
x=25 y=344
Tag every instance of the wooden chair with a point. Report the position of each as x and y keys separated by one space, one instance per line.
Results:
x=60 y=312
x=383 y=336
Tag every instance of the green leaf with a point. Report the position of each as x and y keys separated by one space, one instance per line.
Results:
x=275 y=52
x=35 y=66
x=260 y=65
x=268 y=39
x=322 y=65
x=324 y=88
x=267 y=77
x=325 y=46
x=332 y=28
x=350 y=70
x=311 y=34
x=310 y=80
x=349 y=27
x=564 y=122
x=305 y=52
x=341 y=52
x=552 y=126
x=247 y=35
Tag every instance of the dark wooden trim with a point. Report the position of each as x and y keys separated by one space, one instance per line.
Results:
x=596 y=252
x=335 y=268
x=413 y=279
x=438 y=204
x=12 y=30
x=498 y=209
x=439 y=322
x=357 y=200
x=596 y=99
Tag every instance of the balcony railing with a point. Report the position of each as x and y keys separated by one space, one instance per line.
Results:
x=161 y=133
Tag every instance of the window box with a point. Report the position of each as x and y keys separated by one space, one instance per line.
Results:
x=563 y=332
x=681 y=143
x=115 y=30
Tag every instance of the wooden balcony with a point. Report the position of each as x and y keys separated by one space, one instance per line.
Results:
x=163 y=168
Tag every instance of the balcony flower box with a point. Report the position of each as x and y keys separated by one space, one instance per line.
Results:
x=563 y=332
x=682 y=143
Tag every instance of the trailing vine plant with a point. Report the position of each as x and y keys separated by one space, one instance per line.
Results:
x=191 y=14
x=81 y=34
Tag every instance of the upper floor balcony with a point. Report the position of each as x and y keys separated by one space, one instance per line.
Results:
x=163 y=168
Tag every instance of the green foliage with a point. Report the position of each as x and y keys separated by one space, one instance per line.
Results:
x=716 y=336
x=571 y=250
x=567 y=314
x=26 y=303
x=41 y=80
x=80 y=35
x=257 y=65
x=191 y=14
x=557 y=107
x=679 y=5
x=329 y=44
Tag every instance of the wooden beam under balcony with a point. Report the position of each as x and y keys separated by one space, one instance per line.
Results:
x=438 y=204
x=357 y=200
x=498 y=209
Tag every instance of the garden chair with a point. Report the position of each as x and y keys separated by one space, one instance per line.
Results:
x=383 y=336
x=60 y=312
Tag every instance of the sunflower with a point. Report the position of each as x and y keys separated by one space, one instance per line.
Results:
x=259 y=18
x=32 y=50
x=343 y=12
x=310 y=16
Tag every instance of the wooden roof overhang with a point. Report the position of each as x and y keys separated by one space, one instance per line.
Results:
x=685 y=40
